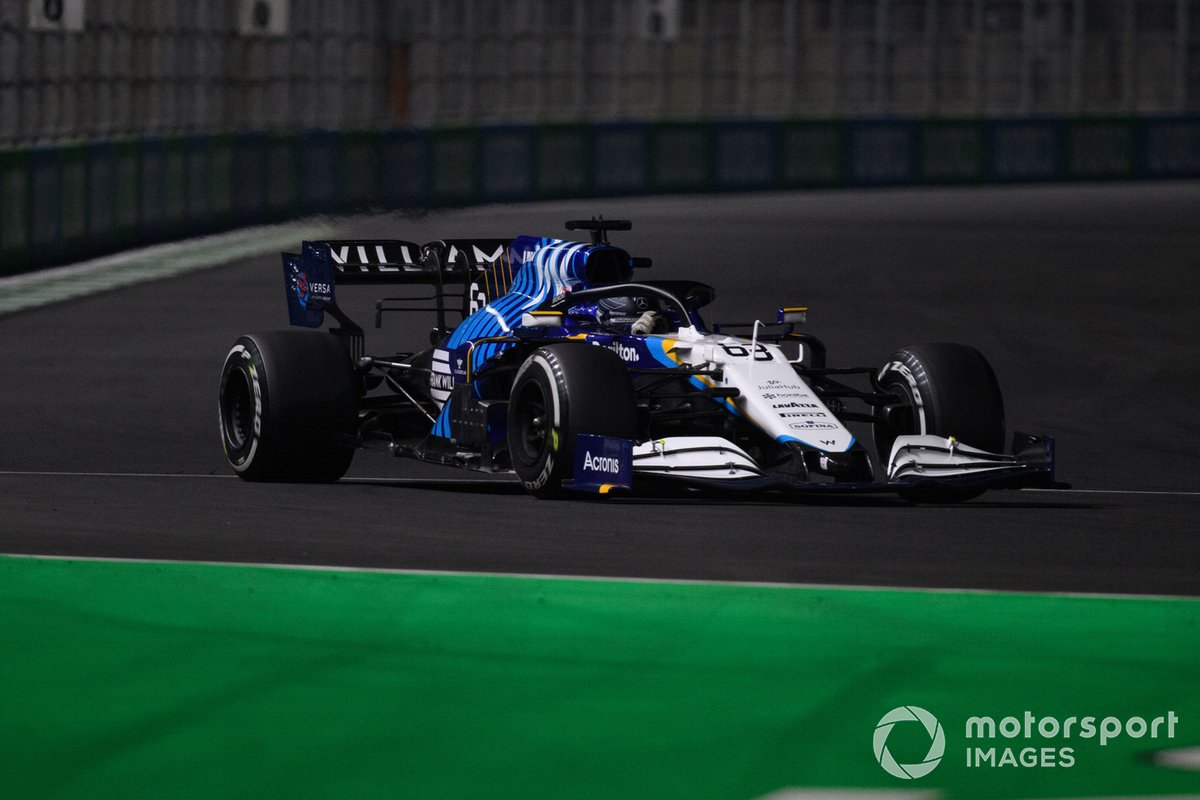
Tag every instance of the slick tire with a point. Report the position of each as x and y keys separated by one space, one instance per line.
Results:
x=560 y=392
x=946 y=390
x=285 y=398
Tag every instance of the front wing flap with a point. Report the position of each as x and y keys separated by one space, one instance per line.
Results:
x=931 y=461
x=918 y=465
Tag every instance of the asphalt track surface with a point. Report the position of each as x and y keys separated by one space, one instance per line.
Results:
x=1084 y=299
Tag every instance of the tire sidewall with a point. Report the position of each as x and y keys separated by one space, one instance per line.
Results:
x=952 y=391
x=244 y=363
x=303 y=394
x=542 y=472
x=587 y=390
x=900 y=372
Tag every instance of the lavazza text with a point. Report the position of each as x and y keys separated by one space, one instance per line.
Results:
x=990 y=732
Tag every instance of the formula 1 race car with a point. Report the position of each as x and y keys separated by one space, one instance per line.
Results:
x=568 y=372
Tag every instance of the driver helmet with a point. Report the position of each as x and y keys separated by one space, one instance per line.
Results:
x=623 y=311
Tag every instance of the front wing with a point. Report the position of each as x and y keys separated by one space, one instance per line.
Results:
x=919 y=466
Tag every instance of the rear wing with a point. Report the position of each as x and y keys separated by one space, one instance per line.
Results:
x=373 y=261
x=311 y=275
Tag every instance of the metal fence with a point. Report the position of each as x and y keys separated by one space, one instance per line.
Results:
x=537 y=60
x=807 y=58
x=136 y=121
x=163 y=67
x=168 y=67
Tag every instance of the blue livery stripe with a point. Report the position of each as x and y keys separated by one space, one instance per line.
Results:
x=554 y=266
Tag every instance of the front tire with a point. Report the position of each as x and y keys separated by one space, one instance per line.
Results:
x=945 y=390
x=285 y=399
x=560 y=392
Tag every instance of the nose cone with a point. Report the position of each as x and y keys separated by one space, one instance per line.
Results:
x=851 y=466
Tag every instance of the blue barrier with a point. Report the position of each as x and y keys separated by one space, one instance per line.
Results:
x=563 y=161
x=1169 y=147
x=126 y=196
x=320 y=188
x=282 y=160
x=14 y=212
x=45 y=204
x=405 y=178
x=175 y=189
x=220 y=182
x=681 y=157
x=152 y=190
x=952 y=151
x=250 y=177
x=620 y=159
x=455 y=178
x=73 y=194
x=508 y=163
x=101 y=188
x=75 y=201
x=882 y=153
x=812 y=154
x=198 y=172
x=360 y=170
x=1100 y=149
x=746 y=156
x=1026 y=150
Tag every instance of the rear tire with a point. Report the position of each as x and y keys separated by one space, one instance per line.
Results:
x=560 y=392
x=285 y=398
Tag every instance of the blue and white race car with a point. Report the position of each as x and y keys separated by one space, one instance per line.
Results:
x=575 y=376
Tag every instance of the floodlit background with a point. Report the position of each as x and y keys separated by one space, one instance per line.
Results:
x=719 y=647
x=137 y=67
x=132 y=121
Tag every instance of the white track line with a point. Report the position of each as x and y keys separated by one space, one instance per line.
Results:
x=56 y=474
x=1179 y=758
x=546 y=576
x=42 y=287
x=853 y=794
x=347 y=479
x=1172 y=493
x=447 y=479
x=400 y=479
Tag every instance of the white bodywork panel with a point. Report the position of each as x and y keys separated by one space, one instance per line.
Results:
x=772 y=395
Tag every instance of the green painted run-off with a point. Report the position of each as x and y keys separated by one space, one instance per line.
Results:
x=125 y=680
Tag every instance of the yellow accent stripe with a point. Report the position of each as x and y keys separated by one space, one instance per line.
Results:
x=669 y=350
x=606 y=487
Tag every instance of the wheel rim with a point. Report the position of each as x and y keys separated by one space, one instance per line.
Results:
x=533 y=424
x=237 y=409
x=886 y=432
x=905 y=391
